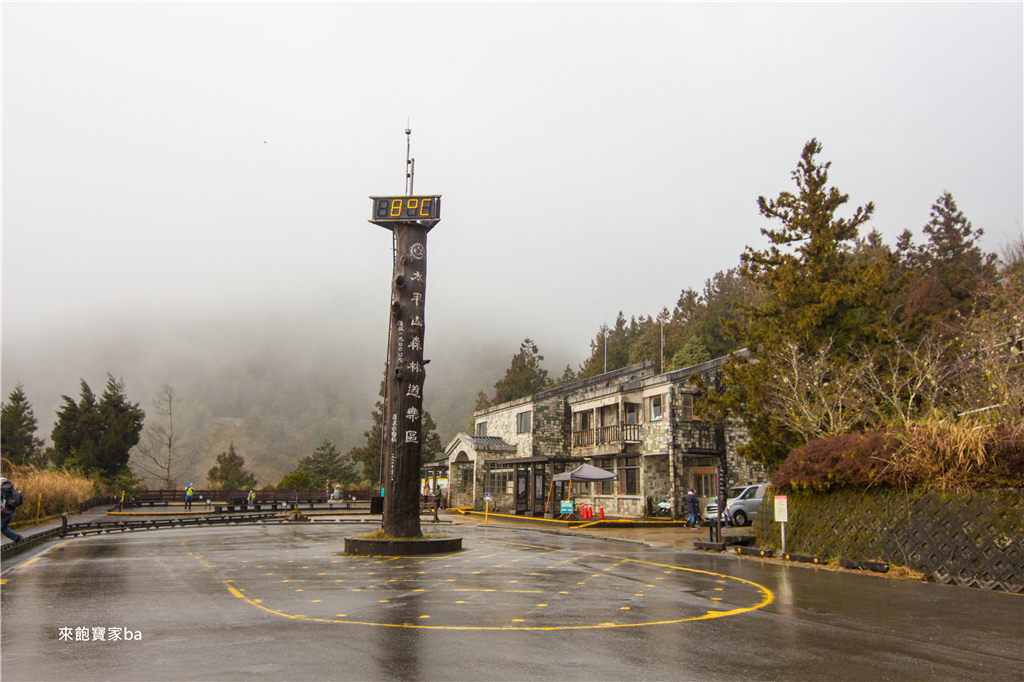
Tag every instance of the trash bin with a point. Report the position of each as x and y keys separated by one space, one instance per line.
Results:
x=376 y=505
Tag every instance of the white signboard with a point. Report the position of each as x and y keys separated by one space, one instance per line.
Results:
x=781 y=509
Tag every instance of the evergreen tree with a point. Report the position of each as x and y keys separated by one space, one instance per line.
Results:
x=97 y=436
x=326 y=465
x=122 y=427
x=77 y=432
x=947 y=271
x=229 y=472
x=431 y=448
x=369 y=455
x=610 y=349
x=18 y=442
x=693 y=353
x=524 y=377
x=815 y=289
x=820 y=288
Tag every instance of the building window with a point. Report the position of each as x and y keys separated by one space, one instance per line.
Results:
x=704 y=485
x=629 y=475
x=632 y=414
x=524 y=422
x=654 y=408
x=465 y=476
x=605 y=487
x=481 y=428
x=499 y=478
x=687 y=406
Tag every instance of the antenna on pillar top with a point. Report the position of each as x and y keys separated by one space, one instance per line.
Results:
x=410 y=163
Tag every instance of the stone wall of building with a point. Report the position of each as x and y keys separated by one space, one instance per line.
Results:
x=502 y=423
x=657 y=482
x=551 y=427
x=742 y=471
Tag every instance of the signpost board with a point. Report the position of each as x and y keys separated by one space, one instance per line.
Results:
x=782 y=516
x=566 y=507
x=781 y=509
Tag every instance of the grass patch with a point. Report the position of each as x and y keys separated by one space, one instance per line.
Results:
x=906 y=573
x=381 y=535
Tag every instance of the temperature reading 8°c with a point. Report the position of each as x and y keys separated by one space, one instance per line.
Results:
x=400 y=209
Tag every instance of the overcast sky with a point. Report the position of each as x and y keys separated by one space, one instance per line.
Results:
x=171 y=162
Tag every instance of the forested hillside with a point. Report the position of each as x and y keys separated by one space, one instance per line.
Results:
x=846 y=333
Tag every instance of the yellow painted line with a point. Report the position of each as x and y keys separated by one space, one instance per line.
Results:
x=30 y=562
x=3 y=581
x=768 y=598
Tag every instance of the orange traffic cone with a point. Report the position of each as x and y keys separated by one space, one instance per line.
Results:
x=602 y=512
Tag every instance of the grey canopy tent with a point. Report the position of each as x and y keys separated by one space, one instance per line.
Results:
x=584 y=473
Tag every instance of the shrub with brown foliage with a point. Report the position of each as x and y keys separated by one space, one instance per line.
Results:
x=944 y=455
x=853 y=460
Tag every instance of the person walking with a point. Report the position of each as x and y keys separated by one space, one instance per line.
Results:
x=693 y=509
x=251 y=499
x=11 y=498
x=189 y=492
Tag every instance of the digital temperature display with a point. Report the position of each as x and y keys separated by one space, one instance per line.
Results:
x=406 y=209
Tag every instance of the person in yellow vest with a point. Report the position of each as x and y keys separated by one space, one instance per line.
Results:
x=189 y=492
x=251 y=499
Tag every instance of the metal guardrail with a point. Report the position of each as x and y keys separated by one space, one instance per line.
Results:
x=99 y=527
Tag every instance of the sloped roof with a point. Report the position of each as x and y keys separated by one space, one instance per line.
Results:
x=586 y=472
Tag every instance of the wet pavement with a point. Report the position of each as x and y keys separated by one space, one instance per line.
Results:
x=278 y=602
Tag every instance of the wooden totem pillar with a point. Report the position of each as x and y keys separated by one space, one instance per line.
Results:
x=409 y=218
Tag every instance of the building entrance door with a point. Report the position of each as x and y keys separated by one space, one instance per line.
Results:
x=522 y=491
x=538 y=490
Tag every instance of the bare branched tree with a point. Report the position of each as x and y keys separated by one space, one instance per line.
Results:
x=906 y=382
x=160 y=453
x=817 y=394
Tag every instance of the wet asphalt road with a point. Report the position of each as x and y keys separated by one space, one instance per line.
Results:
x=278 y=602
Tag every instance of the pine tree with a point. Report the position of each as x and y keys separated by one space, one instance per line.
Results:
x=524 y=377
x=77 y=432
x=947 y=271
x=18 y=442
x=326 y=465
x=820 y=288
x=229 y=472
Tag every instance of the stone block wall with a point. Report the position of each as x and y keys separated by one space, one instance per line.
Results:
x=742 y=470
x=657 y=482
x=552 y=427
x=970 y=538
x=502 y=423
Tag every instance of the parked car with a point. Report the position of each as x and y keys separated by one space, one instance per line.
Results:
x=711 y=509
x=745 y=506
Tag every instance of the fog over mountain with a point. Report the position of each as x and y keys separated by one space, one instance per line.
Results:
x=280 y=361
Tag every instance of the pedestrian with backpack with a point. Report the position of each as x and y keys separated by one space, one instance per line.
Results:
x=11 y=499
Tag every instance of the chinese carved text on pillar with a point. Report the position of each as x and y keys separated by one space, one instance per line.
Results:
x=405 y=382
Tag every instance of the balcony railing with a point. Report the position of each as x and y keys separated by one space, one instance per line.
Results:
x=616 y=433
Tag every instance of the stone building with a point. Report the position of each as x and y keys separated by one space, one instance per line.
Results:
x=631 y=421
